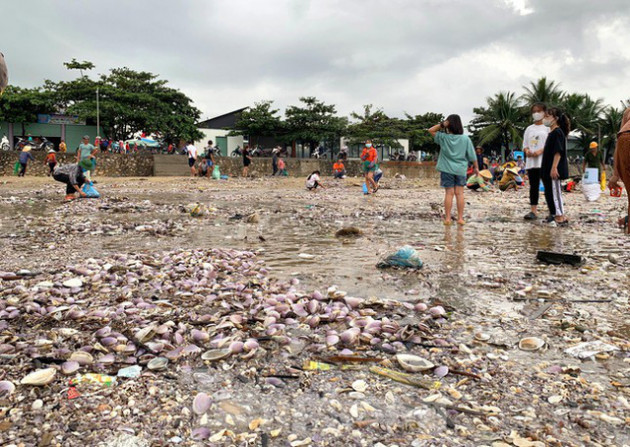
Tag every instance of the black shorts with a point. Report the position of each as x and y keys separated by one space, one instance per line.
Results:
x=246 y=163
x=191 y=162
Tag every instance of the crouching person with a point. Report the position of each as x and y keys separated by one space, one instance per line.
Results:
x=72 y=176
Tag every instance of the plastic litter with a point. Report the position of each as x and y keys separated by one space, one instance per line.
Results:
x=590 y=348
x=90 y=191
x=591 y=176
x=216 y=173
x=591 y=191
x=406 y=257
x=551 y=257
x=101 y=379
x=311 y=365
x=407 y=379
x=131 y=372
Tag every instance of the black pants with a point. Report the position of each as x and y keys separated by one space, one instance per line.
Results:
x=22 y=170
x=63 y=178
x=553 y=196
x=51 y=166
x=534 y=185
x=275 y=168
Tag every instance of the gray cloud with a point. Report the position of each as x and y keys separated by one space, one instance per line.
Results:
x=402 y=55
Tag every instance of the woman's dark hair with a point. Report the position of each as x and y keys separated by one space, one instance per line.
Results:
x=542 y=105
x=561 y=118
x=455 y=124
x=315 y=172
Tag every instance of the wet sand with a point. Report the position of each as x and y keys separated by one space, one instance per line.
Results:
x=485 y=273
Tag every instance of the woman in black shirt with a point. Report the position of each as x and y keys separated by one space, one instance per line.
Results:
x=555 y=164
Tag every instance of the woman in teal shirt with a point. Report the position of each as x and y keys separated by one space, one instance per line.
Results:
x=456 y=151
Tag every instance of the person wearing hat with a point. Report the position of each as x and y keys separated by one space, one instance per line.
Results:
x=51 y=161
x=86 y=156
x=510 y=179
x=594 y=159
x=481 y=181
x=25 y=156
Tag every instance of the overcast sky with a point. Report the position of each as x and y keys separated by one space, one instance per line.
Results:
x=411 y=56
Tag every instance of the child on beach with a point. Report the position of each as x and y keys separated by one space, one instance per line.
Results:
x=313 y=181
x=282 y=167
x=51 y=161
x=456 y=151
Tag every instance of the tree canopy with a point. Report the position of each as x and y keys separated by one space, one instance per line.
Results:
x=259 y=121
x=313 y=121
x=129 y=101
x=375 y=125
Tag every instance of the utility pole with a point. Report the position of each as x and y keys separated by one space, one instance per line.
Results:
x=98 y=117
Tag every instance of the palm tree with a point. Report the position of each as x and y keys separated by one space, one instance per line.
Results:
x=584 y=113
x=503 y=121
x=609 y=125
x=544 y=91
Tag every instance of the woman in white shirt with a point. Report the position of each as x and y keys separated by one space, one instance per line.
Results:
x=533 y=146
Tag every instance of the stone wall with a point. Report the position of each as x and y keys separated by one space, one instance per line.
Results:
x=107 y=165
x=296 y=167
x=146 y=164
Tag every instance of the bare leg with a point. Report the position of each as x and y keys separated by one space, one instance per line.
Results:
x=459 y=196
x=370 y=179
x=448 y=203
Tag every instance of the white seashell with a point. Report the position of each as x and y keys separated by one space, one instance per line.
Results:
x=413 y=363
x=73 y=283
x=216 y=354
x=360 y=386
x=82 y=357
x=531 y=344
x=145 y=334
x=40 y=377
x=482 y=336
x=37 y=405
x=157 y=364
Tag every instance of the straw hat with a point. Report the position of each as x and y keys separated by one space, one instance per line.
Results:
x=512 y=170
x=50 y=151
x=485 y=174
x=27 y=148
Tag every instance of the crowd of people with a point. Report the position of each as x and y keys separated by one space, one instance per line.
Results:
x=461 y=165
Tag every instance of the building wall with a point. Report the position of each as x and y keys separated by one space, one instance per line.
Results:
x=212 y=134
x=54 y=132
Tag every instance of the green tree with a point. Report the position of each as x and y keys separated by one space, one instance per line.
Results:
x=544 y=91
x=503 y=121
x=584 y=113
x=415 y=128
x=21 y=105
x=131 y=102
x=259 y=121
x=375 y=125
x=76 y=65
x=609 y=125
x=313 y=122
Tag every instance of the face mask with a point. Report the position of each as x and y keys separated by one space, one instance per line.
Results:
x=368 y=145
x=538 y=116
x=548 y=122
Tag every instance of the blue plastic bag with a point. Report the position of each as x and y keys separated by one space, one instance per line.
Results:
x=406 y=257
x=90 y=191
x=365 y=189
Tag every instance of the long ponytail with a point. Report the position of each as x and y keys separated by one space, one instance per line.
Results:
x=562 y=119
